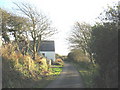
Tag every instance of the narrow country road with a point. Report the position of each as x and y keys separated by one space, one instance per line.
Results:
x=69 y=78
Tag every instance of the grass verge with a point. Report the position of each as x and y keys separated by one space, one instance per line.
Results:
x=87 y=72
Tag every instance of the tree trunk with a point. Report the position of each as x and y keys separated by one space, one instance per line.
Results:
x=34 y=49
x=38 y=44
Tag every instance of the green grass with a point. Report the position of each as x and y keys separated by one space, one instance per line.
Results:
x=87 y=77
x=55 y=70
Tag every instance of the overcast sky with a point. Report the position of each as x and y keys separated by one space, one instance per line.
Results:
x=64 y=13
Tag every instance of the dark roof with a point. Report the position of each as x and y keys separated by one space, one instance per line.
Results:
x=44 y=45
x=47 y=46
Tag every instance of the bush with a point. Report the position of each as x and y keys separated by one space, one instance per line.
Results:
x=17 y=68
x=78 y=56
x=105 y=46
x=59 y=62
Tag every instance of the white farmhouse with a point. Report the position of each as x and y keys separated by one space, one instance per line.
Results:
x=47 y=49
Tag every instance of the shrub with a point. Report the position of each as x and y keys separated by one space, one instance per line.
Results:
x=16 y=66
x=77 y=55
x=59 y=62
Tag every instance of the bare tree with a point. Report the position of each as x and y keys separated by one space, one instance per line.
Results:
x=80 y=38
x=40 y=26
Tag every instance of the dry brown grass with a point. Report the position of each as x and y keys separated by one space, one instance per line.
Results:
x=14 y=61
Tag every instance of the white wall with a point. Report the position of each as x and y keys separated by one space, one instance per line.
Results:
x=49 y=54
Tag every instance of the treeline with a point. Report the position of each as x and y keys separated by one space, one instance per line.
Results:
x=98 y=45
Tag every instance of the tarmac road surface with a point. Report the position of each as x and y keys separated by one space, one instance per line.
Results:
x=69 y=78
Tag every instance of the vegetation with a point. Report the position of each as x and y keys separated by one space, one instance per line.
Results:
x=22 y=66
x=32 y=24
x=105 y=53
x=56 y=69
x=104 y=46
x=39 y=25
x=94 y=49
x=87 y=72
x=19 y=69
x=63 y=57
x=59 y=62
x=99 y=44
x=82 y=63
x=80 y=38
x=21 y=61
x=78 y=56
